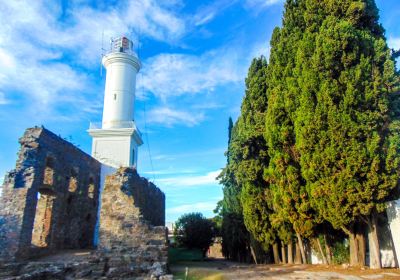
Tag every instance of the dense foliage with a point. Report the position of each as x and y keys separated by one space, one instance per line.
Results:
x=233 y=231
x=193 y=230
x=315 y=149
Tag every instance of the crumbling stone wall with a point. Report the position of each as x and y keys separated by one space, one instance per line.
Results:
x=132 y=231
x=50 y=199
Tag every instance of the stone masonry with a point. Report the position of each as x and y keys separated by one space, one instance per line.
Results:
x=132 y=232
x=50 y=199
x=50 y=203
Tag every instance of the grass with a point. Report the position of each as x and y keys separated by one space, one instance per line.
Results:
x=199 y=274
x=197 y=270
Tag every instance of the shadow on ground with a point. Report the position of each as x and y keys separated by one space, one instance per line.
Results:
x=219 y=269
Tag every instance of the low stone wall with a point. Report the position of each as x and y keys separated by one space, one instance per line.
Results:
x=132 y=235
x=50 y=199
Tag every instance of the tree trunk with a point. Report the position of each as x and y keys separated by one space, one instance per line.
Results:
x=283 y=251
x=290 y=252
x=297 y=259
x=275 y=250
x=328 y=250
x=354 y=261
x=303 y=254
x=360 y=239
x=353 y=250
x=321 y=251
x=375 y=254
x=253 y=254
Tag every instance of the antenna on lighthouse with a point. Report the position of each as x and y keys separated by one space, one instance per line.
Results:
x=102 y=53
x=138 y=39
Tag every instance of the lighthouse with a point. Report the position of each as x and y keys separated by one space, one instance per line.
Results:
x=116 y=139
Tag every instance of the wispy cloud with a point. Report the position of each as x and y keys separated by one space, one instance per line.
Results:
x=394 y=43
x=190 y=180
x=261 y=3
x=197 y=154
x=195 y=207
x=170 y=75
x=48 y=50
x=168 y=171
x=50 y=55
x=207 y=13
x=170 y=117
x=3 y=99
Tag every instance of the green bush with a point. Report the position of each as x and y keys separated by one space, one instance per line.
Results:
x=194 y=231
x=182 y=254
x=341 y=252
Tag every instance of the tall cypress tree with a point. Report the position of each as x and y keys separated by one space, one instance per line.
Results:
x=290 y=197
x=247 y=156
x=347 y=133
x=251 y=155
x=235 y=237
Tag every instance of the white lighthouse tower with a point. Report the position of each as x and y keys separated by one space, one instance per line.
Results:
x=116 y=139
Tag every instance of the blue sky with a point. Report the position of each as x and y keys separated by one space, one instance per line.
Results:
x=195 y=56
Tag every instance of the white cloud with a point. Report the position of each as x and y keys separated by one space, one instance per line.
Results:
x=193 y=154
x=261 y=3
x=394 y=43
x=3 y=101
x=168 y=75
x=195 y=207
x=170 y=117
x=261 y=49
x=167 y=171
x=207 y=13
x=45 y=51
x=190 y=180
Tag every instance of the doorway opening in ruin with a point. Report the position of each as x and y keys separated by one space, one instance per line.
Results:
x=72 y=180
x=48 y=176
x=41 y=233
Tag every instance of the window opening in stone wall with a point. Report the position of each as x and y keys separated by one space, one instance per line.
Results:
x=49 y=172
x=73 y=182
x=69 y=207
x=69 y=200
x=41 y=233
x=91 y=188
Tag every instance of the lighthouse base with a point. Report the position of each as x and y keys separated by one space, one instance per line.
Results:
x=116 y=147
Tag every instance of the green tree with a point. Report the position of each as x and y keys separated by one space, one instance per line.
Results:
x=235 y=237
x=346 y=131
x=193 y=230
x=251 y=157
x=290 y=198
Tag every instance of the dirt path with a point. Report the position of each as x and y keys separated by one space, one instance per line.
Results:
x=221 y=269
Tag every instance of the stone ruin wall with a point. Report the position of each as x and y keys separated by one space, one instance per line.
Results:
x=50 y=199
x=132 y=233
x=50 y=203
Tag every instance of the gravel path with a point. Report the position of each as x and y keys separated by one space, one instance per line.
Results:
x=221 y=269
